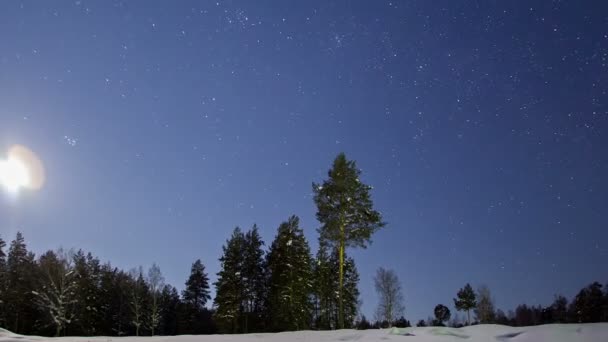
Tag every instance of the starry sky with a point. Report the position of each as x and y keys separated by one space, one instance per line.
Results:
x=163 y=125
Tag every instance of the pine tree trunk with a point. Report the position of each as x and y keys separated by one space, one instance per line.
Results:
x=468 y=317
x=341 y=285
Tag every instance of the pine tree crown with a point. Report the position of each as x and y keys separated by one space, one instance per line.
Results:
x=343 y=201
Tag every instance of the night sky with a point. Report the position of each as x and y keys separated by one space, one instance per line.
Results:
x=163 y=125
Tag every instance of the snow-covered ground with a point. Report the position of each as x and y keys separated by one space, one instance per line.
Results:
x=597 y=332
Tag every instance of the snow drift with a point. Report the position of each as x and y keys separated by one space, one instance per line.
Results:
x=596 y=332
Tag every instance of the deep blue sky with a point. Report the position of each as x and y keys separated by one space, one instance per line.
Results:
x=162 y=125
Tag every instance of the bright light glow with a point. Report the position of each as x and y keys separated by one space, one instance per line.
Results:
x=14 y=175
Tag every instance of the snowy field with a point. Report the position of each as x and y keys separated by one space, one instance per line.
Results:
x=597 y=332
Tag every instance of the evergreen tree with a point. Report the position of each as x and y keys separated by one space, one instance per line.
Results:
x=501 y=318
x=290 y=285
x=197 y=286
x=169 y=305
x=588 y=304
x=195 y=298
x=401 y=322
x=345 y=210
x=230 y=284
x=559 y=309
x=3 y=280
x=466 y=301
x=442 y=314
x=324 y=288
x=524 y=316
x=254 y=281
x=88 y=314
x=20 y=281
x=421 y=323
x=363 y=324
x=605 y=306
x=115 y=288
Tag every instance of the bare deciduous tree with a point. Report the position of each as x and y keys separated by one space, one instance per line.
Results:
x=137 y=298
x=485 y=306
x=156 y=283
x=56 y=295
x=390 y=301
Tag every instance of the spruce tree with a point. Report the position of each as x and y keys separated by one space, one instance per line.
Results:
x=88 y=306
x=466 y=301
x=401 y=322
x=197 y=286
x=588 y=304
x=20 y=313
x=363 y=323
x=346 y=213
x=114 y=288
x=290 y=283
x=195 y=296
x=254 y=281
x=230 y=284
x=169 y=306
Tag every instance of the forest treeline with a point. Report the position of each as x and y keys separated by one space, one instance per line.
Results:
x=259 y=288
x=590 y=305
x=285 y=288
x=282 y=288
x=63 y=293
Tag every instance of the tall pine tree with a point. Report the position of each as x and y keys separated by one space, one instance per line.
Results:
x=230 y=285
x=197 y=286
x=290 y=281
x=254 y=281
x=345 y=210
x=466 y=301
